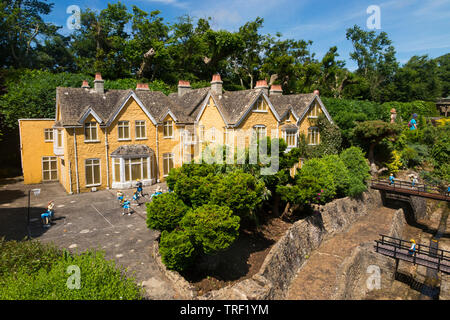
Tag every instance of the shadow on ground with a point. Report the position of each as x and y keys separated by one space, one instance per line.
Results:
x=231 y=264
x=13 y=223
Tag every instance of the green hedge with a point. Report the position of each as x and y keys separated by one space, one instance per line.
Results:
x=36 y=271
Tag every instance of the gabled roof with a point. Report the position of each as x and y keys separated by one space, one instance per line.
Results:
x=76 y=104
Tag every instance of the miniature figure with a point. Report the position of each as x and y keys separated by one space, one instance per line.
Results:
x=413 y=122
x=413 y=247
x=391 y=179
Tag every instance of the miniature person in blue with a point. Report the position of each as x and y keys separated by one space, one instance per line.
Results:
x=139 y=187
x=45 y=219
x=413 y=247
x=157 y=192
x=391 y=179
x=120 y=197
x=126 y=207
x=136 y=197
x=413 y=123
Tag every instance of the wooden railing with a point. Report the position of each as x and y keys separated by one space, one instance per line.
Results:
x=406 y=187
x=424 y=255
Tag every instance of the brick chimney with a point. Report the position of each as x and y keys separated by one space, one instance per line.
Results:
x=85 y=84
x=262 y=84
x=183 y=87
x=99 y=85
x=142 y=87
x=216 y=84
x=276 y=90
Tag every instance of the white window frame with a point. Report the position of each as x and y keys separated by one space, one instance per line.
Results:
x=201 y=133
x=314 y=112
x=286 y=133
x=59 y=133
x=168 y=124
x=90 y=126
x=313 y=136
x=49 y=159
x=213 y=136
x=255 y=130
x=261 y=105
x=140 y=124
x=167 y=157
x=49 y=131
x=90 y=165
x=121 y=124
x=228 y=136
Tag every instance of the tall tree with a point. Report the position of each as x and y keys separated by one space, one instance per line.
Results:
x=375 y=56
x=418 y=79
x=21 y=26
x=99 y=44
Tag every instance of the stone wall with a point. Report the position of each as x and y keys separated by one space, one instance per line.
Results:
x=354 y=275
x=288 y=255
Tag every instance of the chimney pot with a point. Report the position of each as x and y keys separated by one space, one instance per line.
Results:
x=99 y=83
x=317 y=92
x=183 y=87
x=85 y=84
x=262 y=84
x=142 y=86
x=216 y=84
x=276 y=90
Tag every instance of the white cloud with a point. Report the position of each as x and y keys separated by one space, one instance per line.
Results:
x=174 y=3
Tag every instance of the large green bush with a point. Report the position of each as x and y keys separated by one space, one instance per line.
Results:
x=239 y=191
x=340 y=174
x=358 y=169
x=165 y=211
x=35 y=271
x=213 y=228
x=316 y=182
x=176 y=249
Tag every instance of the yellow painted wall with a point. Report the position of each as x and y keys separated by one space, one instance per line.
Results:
x=33 y=148
x=306 y=122
x=88 y=150
x=267 y=119
x=169 y=145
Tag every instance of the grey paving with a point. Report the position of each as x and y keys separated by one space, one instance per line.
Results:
x=87 y=221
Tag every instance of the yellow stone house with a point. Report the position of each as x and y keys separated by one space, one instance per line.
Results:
x=106 y=139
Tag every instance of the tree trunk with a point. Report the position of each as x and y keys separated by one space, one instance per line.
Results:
x=373 y=167
x=276 y=205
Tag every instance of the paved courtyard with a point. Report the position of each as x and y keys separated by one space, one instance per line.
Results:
x=90 y=220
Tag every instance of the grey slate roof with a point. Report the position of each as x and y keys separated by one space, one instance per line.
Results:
x=75 y=102
x=132 y=150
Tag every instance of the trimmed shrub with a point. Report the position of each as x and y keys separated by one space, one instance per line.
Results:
x=358 y=168
x=316 y=182
x=213 y=228
x=340 y=173
x=165 y=211
x=176 y=249
x=239 y=191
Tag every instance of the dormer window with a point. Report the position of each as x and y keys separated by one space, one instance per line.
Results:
x=261 y=105
x=90 y=132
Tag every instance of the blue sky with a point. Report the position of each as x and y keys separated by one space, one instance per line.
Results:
x=416 y=27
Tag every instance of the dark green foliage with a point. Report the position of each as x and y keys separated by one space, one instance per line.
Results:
x=239 y=191
x=176 y=249
x=339 y=172
x=213 y=228
x=358 y=169
x=316 y=182
x=35 y=271
x=165 y=211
